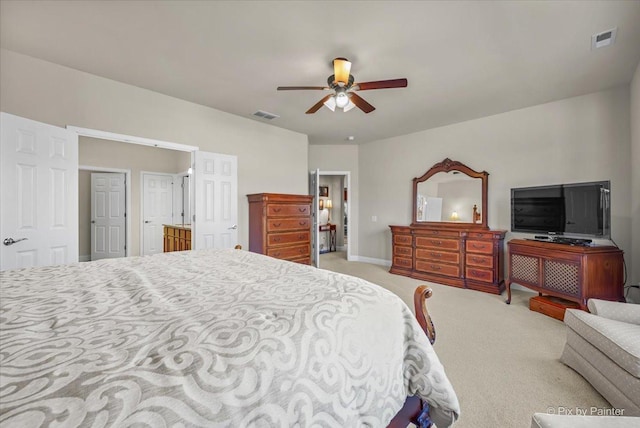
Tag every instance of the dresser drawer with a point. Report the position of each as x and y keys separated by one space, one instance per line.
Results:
x=479 y=260
x=477 y=274
x=437 y=256
x=287 y=253
x=402 y=251
x=485 y=247
x=438 y=233
x=443 y=244
x=288 y=210
x=274 y=239
x=280 y=224
x=402 y=262
x=402 y=239
x=438 y=268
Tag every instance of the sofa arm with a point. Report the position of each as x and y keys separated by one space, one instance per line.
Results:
x=625 y=312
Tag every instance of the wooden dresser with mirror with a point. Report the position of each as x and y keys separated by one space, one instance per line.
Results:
x=448 y=241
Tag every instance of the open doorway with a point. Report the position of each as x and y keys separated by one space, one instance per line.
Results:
x=332 y=236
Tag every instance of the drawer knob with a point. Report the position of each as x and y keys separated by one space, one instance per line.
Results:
x=277 y=239
x=436 y=254
x=435 y=267
x=302 y=210
x=277 y=210
x=277 y=224
x=302 y=223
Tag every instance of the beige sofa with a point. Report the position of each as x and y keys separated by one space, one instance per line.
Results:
x=604 y=347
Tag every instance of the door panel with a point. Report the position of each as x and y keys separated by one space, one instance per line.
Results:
x=108 y=217
x=314 y=189
x=157 y=205
x=39 y=185
x=215 y=201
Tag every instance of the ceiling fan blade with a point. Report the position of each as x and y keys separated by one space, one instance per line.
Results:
x=361 y=103
x=319 y=104
x=382 y=84
x=297 y=88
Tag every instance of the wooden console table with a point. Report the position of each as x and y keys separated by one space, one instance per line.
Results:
x=331 y=228
x=571 y=272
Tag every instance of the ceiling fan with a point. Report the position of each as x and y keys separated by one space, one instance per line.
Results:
x=344 y=96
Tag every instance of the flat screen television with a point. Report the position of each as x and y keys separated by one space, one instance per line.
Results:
x=581 y=209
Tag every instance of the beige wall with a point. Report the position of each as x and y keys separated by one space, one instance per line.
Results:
x=111 y=154
x=579 y=139
x=341 y=158
x=633 y=262
x=270 y=159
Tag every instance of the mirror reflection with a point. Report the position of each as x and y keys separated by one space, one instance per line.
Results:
x=449 y=197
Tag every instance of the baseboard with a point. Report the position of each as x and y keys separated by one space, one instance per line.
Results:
x=85 y=258
x=372 y=260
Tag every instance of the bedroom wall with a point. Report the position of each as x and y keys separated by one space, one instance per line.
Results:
x=341 y=158
x=270 y=159
x=634 y=265
x=585 y=138
x=112 y=154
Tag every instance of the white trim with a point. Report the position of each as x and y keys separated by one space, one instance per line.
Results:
x=127 y=188
x=374 y=261
x=104 y=135
x=85 y=258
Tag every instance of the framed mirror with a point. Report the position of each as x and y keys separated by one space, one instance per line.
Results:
x=450 y=194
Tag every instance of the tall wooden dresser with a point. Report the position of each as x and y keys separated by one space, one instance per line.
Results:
x=280 y=226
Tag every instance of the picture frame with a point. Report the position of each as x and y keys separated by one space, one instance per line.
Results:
x=324 y=191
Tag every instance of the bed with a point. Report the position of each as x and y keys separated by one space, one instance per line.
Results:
x=210 y=338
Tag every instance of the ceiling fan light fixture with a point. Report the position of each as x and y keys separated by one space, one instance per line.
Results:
x=342 y=100
x=342 y=69
x=331 y=103
x=349 y=107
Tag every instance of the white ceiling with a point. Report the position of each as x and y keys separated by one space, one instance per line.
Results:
x=463 y=60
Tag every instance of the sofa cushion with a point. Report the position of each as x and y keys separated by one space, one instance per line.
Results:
x=626 y=312
x=620 y=341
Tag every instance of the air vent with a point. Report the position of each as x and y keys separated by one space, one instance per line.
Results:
x=265 y=115
x=603 y=39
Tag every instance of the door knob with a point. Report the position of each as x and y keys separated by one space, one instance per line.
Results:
x=234 y=227
x=11 y=241
x=147 y=221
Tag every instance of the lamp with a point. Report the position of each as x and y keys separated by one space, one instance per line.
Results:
x=328 y=205
x=341 y=71
x=331 y=103
x=321 y=204
x=454 y=216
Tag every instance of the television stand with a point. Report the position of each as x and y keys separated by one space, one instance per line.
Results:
x=571 y=272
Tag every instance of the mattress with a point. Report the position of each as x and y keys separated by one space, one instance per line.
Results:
x=209 y=338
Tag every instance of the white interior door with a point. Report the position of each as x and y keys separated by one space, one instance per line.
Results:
x=314 y=190
x=215 y=203
x=108 y=215
x=157 y=205
x=39 y=213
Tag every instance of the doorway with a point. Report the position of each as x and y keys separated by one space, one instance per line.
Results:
x=332 y=214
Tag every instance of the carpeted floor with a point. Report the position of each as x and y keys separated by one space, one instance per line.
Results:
x=503 y=360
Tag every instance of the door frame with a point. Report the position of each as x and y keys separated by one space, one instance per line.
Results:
x=131 y=139
x=350 y=222
x=142 y=173
x=127 y=202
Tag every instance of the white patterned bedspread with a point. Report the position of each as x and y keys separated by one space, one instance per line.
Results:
x=209 y=338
